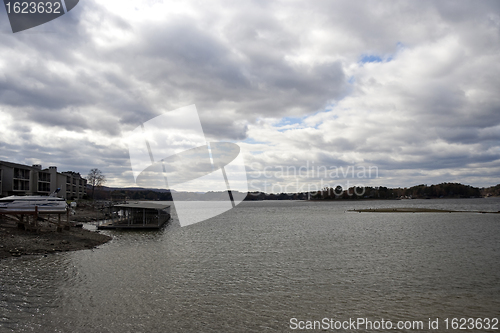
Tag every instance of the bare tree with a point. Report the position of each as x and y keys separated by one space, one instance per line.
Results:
x=96 y=179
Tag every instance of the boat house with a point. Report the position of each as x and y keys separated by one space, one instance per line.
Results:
x=137 y=215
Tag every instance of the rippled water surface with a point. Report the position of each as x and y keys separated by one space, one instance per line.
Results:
x=253 y=268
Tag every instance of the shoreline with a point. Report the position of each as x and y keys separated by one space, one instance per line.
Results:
x=16 y=242
x=373 y=199
x=392 y=199
x=417 y=210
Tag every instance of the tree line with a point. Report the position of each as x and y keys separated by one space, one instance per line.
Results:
x=96 y=180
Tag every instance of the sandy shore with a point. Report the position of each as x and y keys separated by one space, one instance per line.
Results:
x=17 y=242
x=415 y=210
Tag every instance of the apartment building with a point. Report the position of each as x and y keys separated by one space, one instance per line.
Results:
x=19 y=179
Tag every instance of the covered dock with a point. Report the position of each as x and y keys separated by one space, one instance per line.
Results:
x=137 y=215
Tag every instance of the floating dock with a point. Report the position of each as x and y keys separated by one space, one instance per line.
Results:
x=137 y=215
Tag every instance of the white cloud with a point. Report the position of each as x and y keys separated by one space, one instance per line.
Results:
x=285 y=74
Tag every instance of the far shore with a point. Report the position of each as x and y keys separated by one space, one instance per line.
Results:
x=417 y=210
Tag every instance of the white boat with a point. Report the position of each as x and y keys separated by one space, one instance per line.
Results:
x=28 y=203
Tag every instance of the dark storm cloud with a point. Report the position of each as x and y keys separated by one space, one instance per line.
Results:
x=467 y=11
x=183 y=58
x=212 y=125
x=100 y=72
x=175 y=58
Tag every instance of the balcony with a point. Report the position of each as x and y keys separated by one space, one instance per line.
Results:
x=44 y=177
x=21 y=174
x=43 y=187
x=21 y=185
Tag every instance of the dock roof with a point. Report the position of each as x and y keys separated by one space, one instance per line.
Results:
x=144 y=205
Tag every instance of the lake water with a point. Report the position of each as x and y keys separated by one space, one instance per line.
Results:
x=255 y=267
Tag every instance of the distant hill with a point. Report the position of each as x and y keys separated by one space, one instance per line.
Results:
x=493 y=191
x=444 y=190
x=110 y=189
x=423 y=191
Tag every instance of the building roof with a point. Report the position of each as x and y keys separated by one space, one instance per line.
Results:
x=144 y=205
x=46 y=170
x=16 y=165
x=73 y=174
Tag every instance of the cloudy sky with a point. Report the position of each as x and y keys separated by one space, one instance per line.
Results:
x=410 y=88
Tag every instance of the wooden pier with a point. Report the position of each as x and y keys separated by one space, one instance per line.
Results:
x=28 y=219
x=137 y=215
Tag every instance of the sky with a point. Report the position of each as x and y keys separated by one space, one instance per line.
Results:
x=315 y=93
